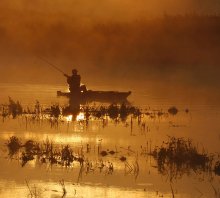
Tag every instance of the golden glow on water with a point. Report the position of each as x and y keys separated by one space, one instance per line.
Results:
x=59 y=138
x=52 y=189
x=80 y=117
x=106 y=135
x=69 y=118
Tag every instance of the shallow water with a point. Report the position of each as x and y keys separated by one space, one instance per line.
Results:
x=200 y=125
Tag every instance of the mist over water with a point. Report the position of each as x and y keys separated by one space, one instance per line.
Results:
x=166 y=52
x=172 y=41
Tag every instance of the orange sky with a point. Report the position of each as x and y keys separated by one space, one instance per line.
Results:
x=109 y=9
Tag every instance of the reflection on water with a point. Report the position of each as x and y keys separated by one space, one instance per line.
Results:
x=54 y=190
x=96 y=131
x=80 y=117
x=69 y=118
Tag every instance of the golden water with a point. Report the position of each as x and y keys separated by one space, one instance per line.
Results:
x=201 y=125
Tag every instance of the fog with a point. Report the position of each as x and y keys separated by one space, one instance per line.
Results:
x=111 y=41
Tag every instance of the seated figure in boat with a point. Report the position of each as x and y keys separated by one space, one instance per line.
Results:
x=74 y=83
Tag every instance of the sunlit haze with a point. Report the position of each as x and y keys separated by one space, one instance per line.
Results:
x=170 y=39
x=109 y=98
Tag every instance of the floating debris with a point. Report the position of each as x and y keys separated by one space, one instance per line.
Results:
x=173 y=110
x=123 y=158
x=112 y=152
x=103 y=153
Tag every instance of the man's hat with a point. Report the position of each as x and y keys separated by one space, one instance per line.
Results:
x=74 y=71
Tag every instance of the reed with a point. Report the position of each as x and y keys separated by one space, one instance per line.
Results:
x=178 y=156
x=13 y=144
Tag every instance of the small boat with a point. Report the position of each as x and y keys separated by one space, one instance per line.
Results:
x=87 y=95
x=90 y=95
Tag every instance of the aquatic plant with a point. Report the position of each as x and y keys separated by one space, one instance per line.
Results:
x=67 y=155
x=112 y=152
x=33 y=191
x=173 y=110
x=55 y=111
x=13 y=144
x=123 y=112
x=32 y=147
x=103 y=153
x=178 y=156
x=4 y=110
x=63 y=188
x=46 y=152
x=37 y=108
x=14 y=108
x=123 y=158
x=132 y=168
x=113 y=111
x=217 y=168
x=25 y=157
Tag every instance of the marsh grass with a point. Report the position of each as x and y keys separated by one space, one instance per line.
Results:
x=45 y=152
x=63 y=188
x=217 y=168
x=49 y=153
x=34 y=192
x=14 y=108
x=13 y=144
x=179 y=156
x=174 y=158
x=56 y=113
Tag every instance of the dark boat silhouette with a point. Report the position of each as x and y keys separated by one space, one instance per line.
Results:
x=79 y=93
x=90 y=95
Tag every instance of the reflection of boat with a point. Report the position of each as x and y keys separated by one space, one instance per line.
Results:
x=90 y=95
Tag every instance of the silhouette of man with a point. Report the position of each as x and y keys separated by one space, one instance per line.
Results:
x=74 y=83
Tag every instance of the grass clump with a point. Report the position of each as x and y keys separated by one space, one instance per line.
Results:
x=173 y=110
x=13 y=145
x=178 y=156
x=217 y=168
x=14 y=108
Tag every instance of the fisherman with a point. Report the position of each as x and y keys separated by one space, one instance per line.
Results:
x=74 y=83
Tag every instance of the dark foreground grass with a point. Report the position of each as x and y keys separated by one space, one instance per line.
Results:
x=114 y=111
x=49 y=153
x=180 y=156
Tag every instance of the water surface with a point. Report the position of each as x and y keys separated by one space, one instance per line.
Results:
x=199 y=124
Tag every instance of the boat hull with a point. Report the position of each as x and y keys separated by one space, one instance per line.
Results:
x=108 y=96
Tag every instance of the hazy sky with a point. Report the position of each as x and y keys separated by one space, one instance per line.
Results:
x=108 y=9
x=101 y=37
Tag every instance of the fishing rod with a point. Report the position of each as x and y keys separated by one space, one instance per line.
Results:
x=52 y=65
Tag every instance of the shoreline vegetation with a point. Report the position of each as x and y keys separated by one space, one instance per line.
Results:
x=175 y=157
x=114 y=111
